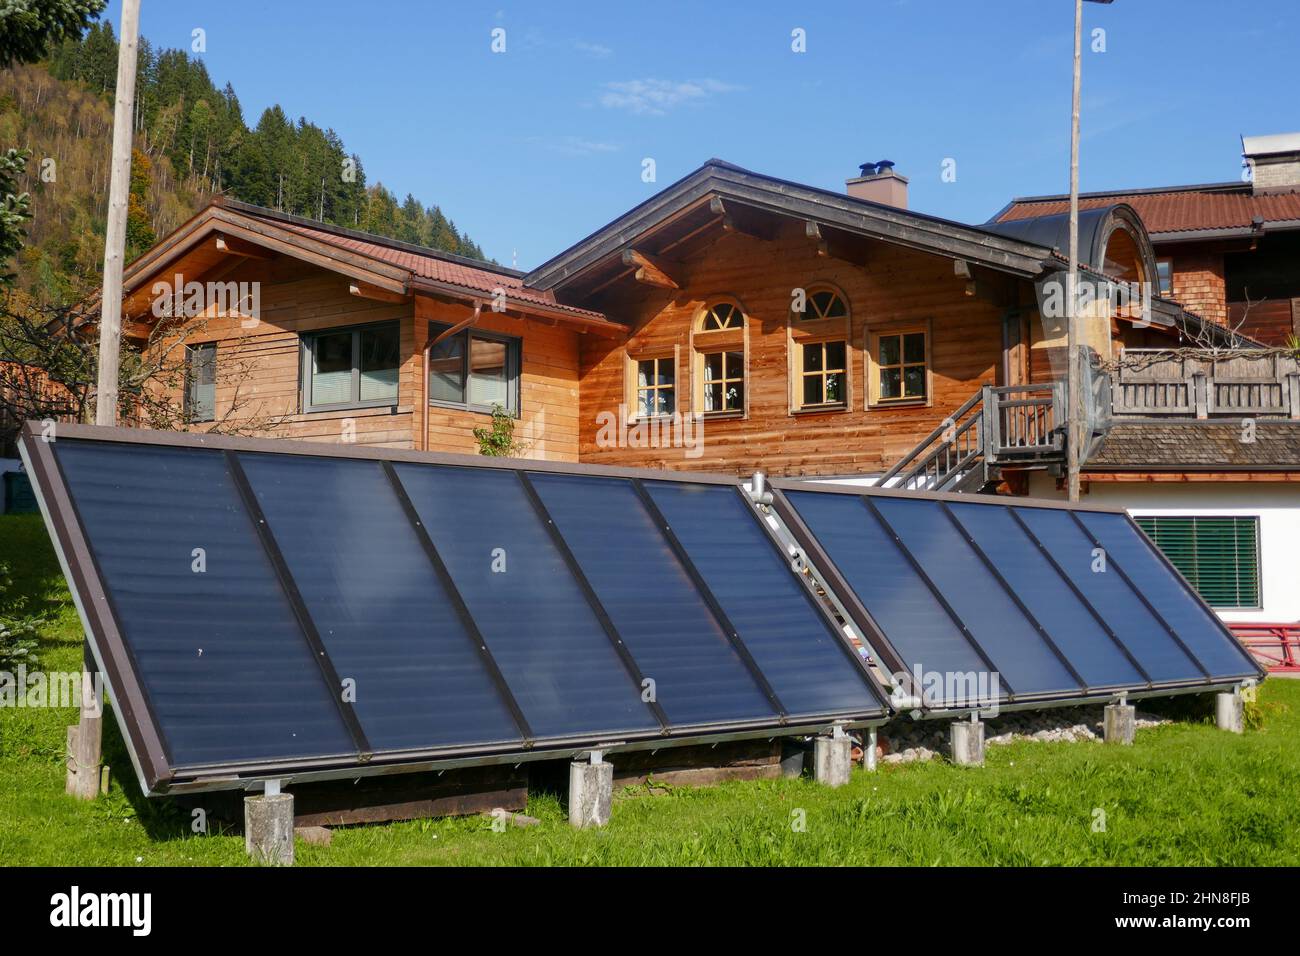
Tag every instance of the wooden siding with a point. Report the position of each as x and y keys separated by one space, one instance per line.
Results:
x=898 y=289
x=297 y=298
x=548 y=422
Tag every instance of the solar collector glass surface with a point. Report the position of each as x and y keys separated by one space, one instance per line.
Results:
x=792 y=643
x=1172 y=599
x=1084 y=641
x=893 y=593
x=545 y=636
x=668 y=627
x=1138 y=629
x=417 y=677
x=226 y=669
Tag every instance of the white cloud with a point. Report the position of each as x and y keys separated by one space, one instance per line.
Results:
x=652 y=97
x=574 y=145
x=597 y=50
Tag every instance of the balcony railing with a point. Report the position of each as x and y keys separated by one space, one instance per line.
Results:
x=1157 y=382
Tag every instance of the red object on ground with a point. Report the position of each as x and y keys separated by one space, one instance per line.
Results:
x=1275 y=646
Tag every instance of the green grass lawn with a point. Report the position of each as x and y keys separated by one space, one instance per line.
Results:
x=1185 y=794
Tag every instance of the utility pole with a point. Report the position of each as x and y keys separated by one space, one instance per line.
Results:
x=86 y=739
x=1073 y=431
x=1074 y=428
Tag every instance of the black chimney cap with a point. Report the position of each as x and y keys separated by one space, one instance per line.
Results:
x=868 y=169
x=884 y=166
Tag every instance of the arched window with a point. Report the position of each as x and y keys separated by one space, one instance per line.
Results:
x=722 y=316
x=824 y=304
x=819 y=340
x=720 y=359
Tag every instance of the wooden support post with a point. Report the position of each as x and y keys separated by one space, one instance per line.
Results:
x=85 y=739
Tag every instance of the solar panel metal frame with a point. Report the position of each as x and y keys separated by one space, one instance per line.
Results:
x=144 y=737
x=888 y=655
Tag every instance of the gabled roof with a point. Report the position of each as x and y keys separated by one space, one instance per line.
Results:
x=390 y=264
x=746 y=188
x=1173 y=213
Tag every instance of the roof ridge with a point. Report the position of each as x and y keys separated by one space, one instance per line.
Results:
x=263 y=212
x=1226 y=186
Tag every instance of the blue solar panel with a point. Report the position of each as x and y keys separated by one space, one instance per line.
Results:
x=561 y=666
x=225 y=669
x=1098 y=658
x=698 y=675
x=1123 y=611
x=318 y=609
x=1023 y=657
x=792 y=643
x=416 y=676
x=895 y=594
x=1176 y=603
x=1062 y=602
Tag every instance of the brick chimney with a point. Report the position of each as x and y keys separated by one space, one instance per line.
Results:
x=1274 y=161
x=879 y=183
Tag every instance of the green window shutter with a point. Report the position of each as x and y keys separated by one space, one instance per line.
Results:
x=1219 y=556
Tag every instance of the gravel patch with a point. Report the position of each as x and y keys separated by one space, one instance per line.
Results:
x=905 y=740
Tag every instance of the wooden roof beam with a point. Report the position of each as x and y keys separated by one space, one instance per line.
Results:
x=832 y=244
x=242 y=247
x=364 y=290
x=652 y=270
x=735 y=220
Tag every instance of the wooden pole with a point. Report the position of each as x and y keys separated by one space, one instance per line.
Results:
x=85 y=756
x=1074 y=429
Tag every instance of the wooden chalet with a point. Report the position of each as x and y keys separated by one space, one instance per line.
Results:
x=779 y=326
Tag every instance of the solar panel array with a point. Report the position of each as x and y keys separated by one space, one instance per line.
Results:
x=1055 y=602
x=333 y=609
x=266 y=607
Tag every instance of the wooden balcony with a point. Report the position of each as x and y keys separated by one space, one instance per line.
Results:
x=1158 y=382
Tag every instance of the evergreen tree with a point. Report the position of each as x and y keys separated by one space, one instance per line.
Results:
x=29 y=27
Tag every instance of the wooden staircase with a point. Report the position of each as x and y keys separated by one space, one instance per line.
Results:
x=1004 y=426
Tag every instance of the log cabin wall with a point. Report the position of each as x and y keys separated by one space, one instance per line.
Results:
x=260 y=366
x=898 y=289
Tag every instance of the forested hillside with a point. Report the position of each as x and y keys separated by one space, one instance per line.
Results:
x=191 y=140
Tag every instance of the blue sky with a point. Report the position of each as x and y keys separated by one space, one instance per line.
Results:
x=531 y=149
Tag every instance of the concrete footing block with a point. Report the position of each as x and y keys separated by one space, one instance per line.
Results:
x=832 y=760
x=591 y=790
x=1119 y=723
x=268 y=829
x=1229 y=712
x=967 y=740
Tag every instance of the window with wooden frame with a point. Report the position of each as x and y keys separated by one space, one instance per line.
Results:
x=200 y=399
x=899 y=366
x=819 y=342
x=653 y=386
x=475 y=370
x=720 y=346
x=353 y=367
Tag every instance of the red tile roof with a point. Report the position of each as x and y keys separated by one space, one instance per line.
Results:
x=430 y=264
x=1164 y=211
